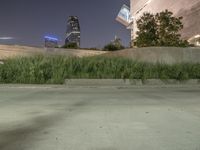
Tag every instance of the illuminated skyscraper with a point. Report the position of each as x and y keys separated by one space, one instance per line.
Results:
x=73 y=31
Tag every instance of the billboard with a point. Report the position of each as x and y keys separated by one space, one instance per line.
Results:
x=124 y=16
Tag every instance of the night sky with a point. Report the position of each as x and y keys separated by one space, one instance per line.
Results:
x=26 y=22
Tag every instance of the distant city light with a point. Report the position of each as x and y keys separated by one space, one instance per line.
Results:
x=6 y=38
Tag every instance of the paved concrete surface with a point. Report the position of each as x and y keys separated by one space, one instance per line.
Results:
x=131 y=82
x=61 y=118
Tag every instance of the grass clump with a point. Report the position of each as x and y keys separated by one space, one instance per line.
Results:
x=55 y=69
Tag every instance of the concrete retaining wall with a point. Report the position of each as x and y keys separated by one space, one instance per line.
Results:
x=167 y=55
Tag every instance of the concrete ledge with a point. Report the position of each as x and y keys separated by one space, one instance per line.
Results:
x=95 y=82
x=128 y=82
x=171 y=82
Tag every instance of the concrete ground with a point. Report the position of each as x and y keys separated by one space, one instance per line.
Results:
x=61 y=118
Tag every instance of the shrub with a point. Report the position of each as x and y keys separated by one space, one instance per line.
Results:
x=70 y=45
x=112 y=47
x=161 y=29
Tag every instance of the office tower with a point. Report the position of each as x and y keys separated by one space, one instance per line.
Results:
x=73 y=31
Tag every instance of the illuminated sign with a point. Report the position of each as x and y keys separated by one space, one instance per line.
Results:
x=50 y=38
x=124 y=15
x=51 y=42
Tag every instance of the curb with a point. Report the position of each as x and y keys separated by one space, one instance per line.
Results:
x=128 y=82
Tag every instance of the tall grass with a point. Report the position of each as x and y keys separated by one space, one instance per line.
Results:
x=55 y=69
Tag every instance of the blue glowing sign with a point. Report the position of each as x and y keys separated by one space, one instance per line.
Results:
x=50 y=38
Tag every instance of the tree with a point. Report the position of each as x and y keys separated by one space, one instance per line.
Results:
x=147 y=29
x=70 y=45
x=169 y=28
x=162 y=29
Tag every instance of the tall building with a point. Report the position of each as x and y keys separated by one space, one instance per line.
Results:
x=50 y=42
x=188 y=9
x=73 y=31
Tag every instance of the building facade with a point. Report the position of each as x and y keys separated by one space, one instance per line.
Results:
x=188 y=9
x=73 y=31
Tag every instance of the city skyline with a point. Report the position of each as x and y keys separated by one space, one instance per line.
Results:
x=27 y=22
